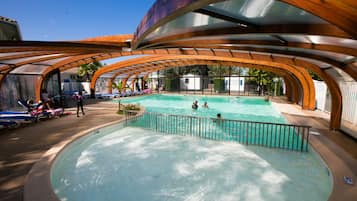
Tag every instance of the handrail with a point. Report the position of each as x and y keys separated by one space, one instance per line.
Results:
x=268 y=134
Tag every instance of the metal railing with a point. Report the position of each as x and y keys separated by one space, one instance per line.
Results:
x=273 y=135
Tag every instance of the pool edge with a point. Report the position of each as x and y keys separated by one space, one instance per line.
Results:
x=38 y=186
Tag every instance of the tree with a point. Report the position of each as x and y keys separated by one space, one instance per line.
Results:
x=194 y=69
x=171 y=73
x=262 y=78
x=88 y=70
x=218 y=70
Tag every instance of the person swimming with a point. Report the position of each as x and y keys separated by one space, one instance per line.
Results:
x=205 y=105
x=218 y=118
x=195 y=105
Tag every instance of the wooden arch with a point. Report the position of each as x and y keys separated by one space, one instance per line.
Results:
x=292 y=92
x=337 y=101
x=308 y=99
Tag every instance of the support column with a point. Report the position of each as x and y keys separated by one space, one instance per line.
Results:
x=60 y=88
x=110 y=86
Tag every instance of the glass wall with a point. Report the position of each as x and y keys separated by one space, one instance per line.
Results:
x=17 y=87
x=202 y=79
x=51 y=89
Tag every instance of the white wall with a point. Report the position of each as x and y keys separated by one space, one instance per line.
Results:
x=320 y=93
x=237 y=83
x=349 y=101
x=188 y=82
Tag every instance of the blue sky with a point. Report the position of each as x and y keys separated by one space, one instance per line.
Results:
x=57 y=20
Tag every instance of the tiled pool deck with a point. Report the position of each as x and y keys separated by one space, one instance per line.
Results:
x=21 y=148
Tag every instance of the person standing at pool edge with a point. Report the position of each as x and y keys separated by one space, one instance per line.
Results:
x=79 y=100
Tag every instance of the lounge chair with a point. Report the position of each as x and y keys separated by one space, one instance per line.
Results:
x=20 y=117
x=8 y=124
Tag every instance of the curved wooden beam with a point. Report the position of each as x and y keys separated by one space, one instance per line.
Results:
x=336 y=110
x=74 y=45
x=121 y=40
x=31 y=54
x=336 y=96
x=8 y=68
x=308 y=101
x=292 y=92
x=206 y=44
x=29 y=61
x=214 y=50
x=285 y=60
x=341 y=13
x=227 y=44
x=112 y=43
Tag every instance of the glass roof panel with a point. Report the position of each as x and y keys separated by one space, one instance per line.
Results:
x=331 y=55
x=339 y=75
x=107 y=75
x=189 y=21
x=237 y=37
x=333 y=41
x=122 y=76
x=29 y=69
x=52 y=61
x=296 y=38
x=112 y=73
x=262 y=12
x=349 y=43
x=321 y=40
x=327 y=54
x=14 y=61
x=12 y=53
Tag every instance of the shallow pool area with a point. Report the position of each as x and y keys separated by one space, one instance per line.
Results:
x=127 y=163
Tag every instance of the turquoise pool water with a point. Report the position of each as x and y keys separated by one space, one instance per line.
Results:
x=241 y=108
x=133 y=164
x=129 y=162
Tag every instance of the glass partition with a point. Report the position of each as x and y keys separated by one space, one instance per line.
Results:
x=17 y=87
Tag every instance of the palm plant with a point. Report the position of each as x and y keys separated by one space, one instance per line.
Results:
x=88 y=70
x=119 y=86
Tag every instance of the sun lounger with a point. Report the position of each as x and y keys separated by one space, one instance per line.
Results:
x=8 y=124
x=108 y=96
x=147 y=91
x=17 y=117
x=55 y=112
x=13 y=112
